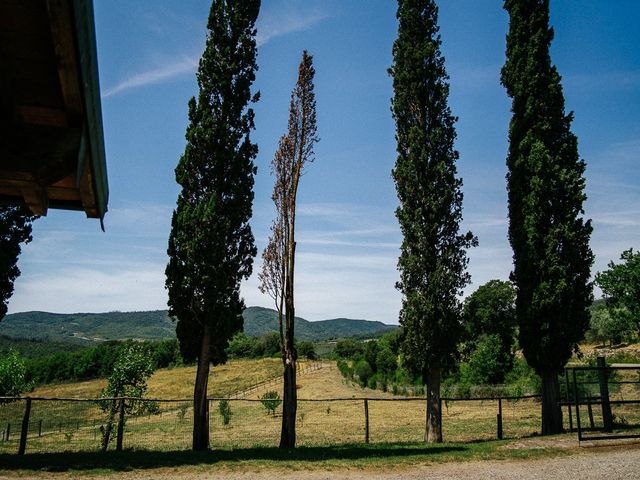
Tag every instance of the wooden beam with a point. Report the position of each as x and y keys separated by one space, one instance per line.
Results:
x=51 y=117
x=87 y=192
x=63 y=32
x=36 y=199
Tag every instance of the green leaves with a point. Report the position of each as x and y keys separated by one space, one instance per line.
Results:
x=433 y=258
x=15 y=228
x=620 y=284
x=549 y=237
x=13 y=372
x=211 y=246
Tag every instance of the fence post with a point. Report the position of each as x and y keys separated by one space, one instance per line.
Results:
x=590 y=412
x=603 y=380
x=120 y=426
x=440 y=412
x=40 y=428
x=8 y=431
x=566 y=380
x=25 y=428
x=499 y=418
x=366 y=421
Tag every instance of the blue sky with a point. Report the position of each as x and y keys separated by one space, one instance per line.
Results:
x=348 y=238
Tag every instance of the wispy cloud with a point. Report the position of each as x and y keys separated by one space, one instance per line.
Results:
x=474 y=77
x=278 y=23
x=609 y=80
x=271 y=25
x=170 y=71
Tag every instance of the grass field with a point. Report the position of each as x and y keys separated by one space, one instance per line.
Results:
x=75 y=426
x=262 y=459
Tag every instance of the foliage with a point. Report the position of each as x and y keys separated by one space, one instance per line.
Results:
x=433 y=258
x=620 y=284
x=490 y=361
x=344 y=368
x=306 y=350
x=490 y=322
x=96 y=362
x=363 y=372
x=13 y=379
x=211 y=246
x=612 y=324
x=549 y=237
x=386 y=362
x=348 y=348
x=33 y=348
x=242 y=346
x=225 y=411
x=15 y=229
x=131 y=370
x=371 y=353
x=271 y=401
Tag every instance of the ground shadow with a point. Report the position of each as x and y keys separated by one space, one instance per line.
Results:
x=142 y=459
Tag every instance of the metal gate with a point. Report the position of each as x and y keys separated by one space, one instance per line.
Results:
x=605 y=399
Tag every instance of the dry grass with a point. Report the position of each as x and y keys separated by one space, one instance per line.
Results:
x=178 y=382
x=75 y=427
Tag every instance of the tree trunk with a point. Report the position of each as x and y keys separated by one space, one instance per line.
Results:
x=200 y=402
x=289 y=404
x=551 y=410
x=433 y=431
x=106 y=429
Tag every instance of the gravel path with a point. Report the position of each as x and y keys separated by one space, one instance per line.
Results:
x=609 y=463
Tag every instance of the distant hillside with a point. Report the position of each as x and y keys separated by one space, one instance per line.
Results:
x=83 y=329
x=31 y=348
x=258 y=321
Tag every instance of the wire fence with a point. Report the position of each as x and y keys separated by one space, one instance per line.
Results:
x=47 y=425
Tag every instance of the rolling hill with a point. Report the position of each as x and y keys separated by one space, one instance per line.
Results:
x=84 y=329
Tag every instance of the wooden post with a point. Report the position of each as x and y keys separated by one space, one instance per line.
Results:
x=566 y=380
x=40 y=428
x=25 y=428
x=8 y=431
x=590 y=412
x=499 y=418
x=603 y=380
x=366 y=421
x=120 y=427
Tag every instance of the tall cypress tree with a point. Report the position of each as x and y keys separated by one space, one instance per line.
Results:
x=15 y=228
x=433 y=257
x=211 y=246
x=549 y=237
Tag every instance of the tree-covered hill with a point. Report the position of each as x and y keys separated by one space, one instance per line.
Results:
x=89 y=328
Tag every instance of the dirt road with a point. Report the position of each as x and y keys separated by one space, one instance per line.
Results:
x=609 y=463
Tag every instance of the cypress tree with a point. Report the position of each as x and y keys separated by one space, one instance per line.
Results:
x=15 y=228
x=433 y=257
x=545 y=181
x=211 y=246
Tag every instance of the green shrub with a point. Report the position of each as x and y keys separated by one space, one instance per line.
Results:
x=372 y=383
x=271 y=401
x=306 y=350
x=13 y=380
x=225 y=411
x=489 y=362
x=363 y=372
x=348 y=348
